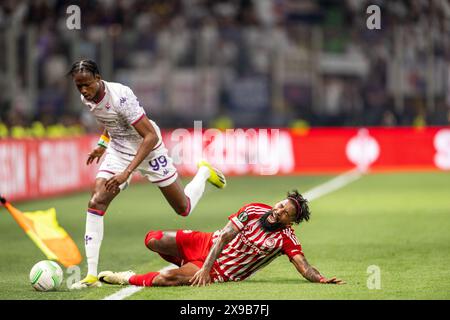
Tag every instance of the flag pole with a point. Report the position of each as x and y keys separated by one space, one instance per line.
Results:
x=28 y=229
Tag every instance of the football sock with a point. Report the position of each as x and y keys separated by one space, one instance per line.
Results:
x=194 y=189
x=143 y=280
x=93 y=239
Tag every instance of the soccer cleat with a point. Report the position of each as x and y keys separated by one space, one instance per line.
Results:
x=120 y=278
x=89 y=282
x=216 y=177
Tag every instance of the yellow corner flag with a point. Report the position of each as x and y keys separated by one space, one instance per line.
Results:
x=43 y=228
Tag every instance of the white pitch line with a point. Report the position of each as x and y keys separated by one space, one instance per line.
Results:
x=332 y=185
x=123 y=293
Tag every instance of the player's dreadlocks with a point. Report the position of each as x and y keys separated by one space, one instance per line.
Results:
x=84 y=66
x=301 y=205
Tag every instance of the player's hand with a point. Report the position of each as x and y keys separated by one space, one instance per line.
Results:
x=97 y=153
x=200 y=278
x=332 y=281
x=113 y=183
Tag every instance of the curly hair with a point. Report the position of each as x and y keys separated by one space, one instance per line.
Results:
x=301 y=204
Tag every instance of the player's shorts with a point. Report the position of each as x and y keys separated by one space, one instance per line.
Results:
x=193 y=246
x=158 y=167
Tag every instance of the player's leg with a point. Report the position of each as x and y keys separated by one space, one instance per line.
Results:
x=177 y=198
x=184 y=245
x=173 y=277
x=159 y=169
x=184 y=200
x=181 y=247
x=97 y=206
x=164 y=243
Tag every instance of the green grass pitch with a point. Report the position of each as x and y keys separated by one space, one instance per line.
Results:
x=398 y=222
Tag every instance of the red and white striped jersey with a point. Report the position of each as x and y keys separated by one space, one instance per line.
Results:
x=253 y=248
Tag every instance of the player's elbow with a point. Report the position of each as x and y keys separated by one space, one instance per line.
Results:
x=150 y=140
x=150 y=137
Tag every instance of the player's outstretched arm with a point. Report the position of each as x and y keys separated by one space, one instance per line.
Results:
x=309 y=272
x=202 y=277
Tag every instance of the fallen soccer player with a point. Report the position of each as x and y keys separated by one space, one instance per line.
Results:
x=253 y=237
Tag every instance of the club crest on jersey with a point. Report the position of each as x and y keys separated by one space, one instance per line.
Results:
x=243 y=216
x=108 y=106
x=269 y=243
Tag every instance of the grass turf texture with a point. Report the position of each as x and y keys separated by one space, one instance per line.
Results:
x=398 y=222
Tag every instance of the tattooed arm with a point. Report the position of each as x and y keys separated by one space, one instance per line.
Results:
x=310 y=273
x=202 y=276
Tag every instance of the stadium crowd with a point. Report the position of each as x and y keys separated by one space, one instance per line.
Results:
x=264 y=53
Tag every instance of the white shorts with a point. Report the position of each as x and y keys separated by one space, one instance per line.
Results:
x=158 y=167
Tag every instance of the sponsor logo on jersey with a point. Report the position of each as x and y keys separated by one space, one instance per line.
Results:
x=250 y=244
x=123 y=100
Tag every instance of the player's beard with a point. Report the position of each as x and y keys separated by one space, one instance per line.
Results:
x=269 y=227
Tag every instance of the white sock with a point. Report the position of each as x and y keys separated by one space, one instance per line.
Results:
x=194 y=189
x=93 y=240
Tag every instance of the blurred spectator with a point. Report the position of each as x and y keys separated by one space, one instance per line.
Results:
x=317 y=60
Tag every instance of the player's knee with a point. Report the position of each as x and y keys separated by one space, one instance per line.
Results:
x=151 y=239
x=182 y=209
x=98 y=202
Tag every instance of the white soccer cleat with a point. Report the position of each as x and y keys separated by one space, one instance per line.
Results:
x=89 y=282
x=120 y=278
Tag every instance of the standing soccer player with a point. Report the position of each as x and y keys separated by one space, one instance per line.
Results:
x=132 y=142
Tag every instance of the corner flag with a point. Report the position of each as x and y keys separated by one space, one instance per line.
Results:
x=44 y=230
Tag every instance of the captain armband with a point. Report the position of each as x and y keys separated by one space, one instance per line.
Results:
x=103 y=141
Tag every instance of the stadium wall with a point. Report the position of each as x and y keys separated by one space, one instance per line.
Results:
x=36 y=168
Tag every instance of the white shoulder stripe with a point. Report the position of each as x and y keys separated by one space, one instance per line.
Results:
x=291 y=235
x=252 y=209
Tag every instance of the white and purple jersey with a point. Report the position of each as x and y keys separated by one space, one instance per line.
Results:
x=117 y=112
